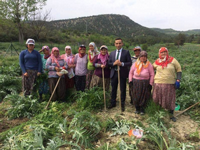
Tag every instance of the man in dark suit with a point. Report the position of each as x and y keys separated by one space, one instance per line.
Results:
x=121 y=58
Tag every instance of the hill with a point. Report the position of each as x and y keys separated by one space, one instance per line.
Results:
x=175 y=32
x=110 y=24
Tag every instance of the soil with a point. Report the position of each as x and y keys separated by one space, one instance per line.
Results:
x=184 y=129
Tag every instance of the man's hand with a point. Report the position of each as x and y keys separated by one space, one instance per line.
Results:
x=103 y=66
x=117 y=62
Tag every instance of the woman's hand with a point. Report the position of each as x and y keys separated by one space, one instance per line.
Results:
x=57 y=69
x=26 y=74
x=38 y=74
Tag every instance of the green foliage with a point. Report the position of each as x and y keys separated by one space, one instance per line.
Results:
x=9 y=84
x=83 y=128
x=12 y=70
x=121 y=127
x=91 y=99
x=180 y=39
x=145 y=47
x=22 y=106
x=124 y=146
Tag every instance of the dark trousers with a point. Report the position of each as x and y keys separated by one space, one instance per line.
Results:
x=114 y=84
x=60 y=90
x=80 y=82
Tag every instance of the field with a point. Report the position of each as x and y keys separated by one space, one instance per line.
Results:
x=82 y=123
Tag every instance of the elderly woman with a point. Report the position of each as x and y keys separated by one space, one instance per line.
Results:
x=100 y=63
x=168 y=74
x=54 y=65
x=141 y=76
x=81 y=68
x=69 y=59
x=92 y=54
x=137 y=51
x=43 y=87
x=31 y=66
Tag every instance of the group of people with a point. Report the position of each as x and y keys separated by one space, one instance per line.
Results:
x=88 y=69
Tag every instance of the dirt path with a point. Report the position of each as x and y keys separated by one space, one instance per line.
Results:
x=184 y=129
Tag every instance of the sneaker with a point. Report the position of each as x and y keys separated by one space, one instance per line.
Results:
x=137 y=112
x=141 y=113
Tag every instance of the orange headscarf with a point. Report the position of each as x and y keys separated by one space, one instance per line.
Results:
x=139 y=65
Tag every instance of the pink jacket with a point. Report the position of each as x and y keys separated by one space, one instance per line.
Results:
x=146 y=73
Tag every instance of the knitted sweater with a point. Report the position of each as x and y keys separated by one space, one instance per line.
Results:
x=30 y=61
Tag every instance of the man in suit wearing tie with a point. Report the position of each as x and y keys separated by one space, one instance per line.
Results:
x=121 y=58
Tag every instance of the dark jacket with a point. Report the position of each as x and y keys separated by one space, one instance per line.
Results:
x=125 y=58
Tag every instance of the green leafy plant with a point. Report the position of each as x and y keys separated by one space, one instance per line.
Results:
x=83 y=128
x=91 y=100
x=9 y=84
x=121 y=127
x=22 y=106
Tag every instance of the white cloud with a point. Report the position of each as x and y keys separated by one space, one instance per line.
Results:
x=176 y=14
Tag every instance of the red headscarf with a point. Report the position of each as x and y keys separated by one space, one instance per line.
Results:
x=163 y=61
x=53 y=58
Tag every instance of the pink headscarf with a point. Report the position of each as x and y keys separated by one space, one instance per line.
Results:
x=105 y=57
x=53 y=58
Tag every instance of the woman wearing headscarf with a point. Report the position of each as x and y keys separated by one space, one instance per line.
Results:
x=137 y=51
x=81 y=68
x=141 y=76
x=69 y=59
x=100 y=63
x=31 y=66
x=92 y=54
x=168 y=74
x=44 y=87
x=54 y=65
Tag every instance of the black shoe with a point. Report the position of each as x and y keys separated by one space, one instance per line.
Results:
x=131 y=102
x=137 y=112
x=173 y=119
x=111 y=106
x=123 y=108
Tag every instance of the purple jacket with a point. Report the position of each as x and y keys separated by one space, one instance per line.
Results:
x=98 y=70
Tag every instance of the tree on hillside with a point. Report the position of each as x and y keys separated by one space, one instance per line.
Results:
x=179 y=39
x=19 y=11
x=38 y=25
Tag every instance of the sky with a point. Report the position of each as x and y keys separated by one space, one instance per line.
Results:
x=181 y=15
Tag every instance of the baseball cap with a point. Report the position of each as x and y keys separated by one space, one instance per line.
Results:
x=137 y=47
x=30 y=41
x=82 y=45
